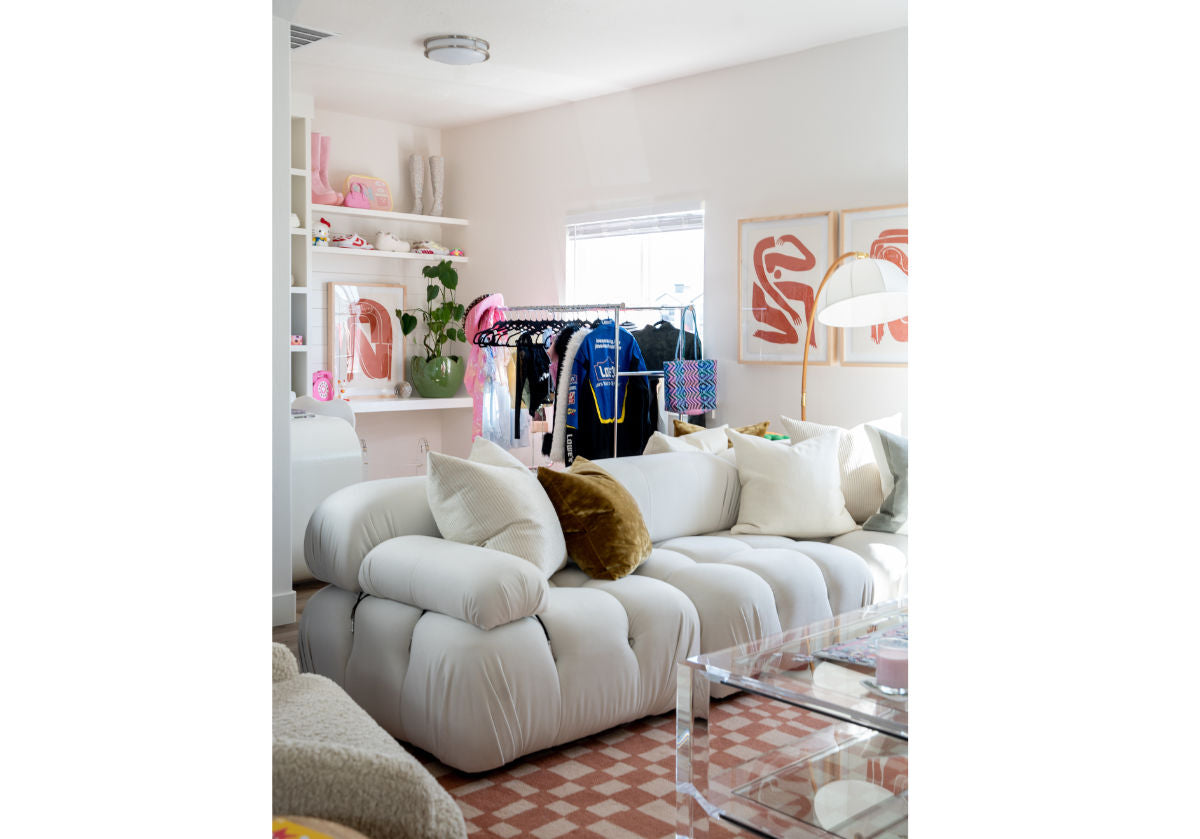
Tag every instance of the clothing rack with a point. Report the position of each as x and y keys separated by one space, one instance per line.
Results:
x=616 y=308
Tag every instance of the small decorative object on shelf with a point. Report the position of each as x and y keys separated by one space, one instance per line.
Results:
x=323 y=385
x=320 y=233
x=430 y=246
x=456 y=252
x=297 y=340
x=436 y=375
x=294 y=220
x=404 y=390
x=368 y=193
x=437 y=179
x=351 y=240
x=390 y=242
x=322 y=192
x=416 y=169
x=356 y=197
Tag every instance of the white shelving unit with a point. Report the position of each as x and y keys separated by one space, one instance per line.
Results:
x=300 y=248
x=413 y=403
x=386 y=215
x=424 y=257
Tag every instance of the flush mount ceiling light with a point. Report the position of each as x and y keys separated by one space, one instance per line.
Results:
x=457 y=49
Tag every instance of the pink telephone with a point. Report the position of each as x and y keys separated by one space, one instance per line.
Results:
x=323 y=385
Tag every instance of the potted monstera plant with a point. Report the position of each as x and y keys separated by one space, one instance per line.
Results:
x=437 y=375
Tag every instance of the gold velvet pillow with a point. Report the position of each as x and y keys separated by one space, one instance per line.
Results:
x=604 y=529
x=759 y=429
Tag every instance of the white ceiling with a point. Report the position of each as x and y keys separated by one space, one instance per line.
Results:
x=547 y=52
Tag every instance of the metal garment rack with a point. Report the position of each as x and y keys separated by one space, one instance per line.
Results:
x=616 y=309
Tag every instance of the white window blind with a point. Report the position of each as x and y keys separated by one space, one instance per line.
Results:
x=637 y=225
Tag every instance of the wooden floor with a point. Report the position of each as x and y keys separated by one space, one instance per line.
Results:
x=288 y=634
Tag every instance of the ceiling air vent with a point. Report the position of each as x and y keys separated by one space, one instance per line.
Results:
x=302 y=36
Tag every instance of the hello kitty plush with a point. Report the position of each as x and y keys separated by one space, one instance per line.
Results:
x=390 y=242
x=320 y=233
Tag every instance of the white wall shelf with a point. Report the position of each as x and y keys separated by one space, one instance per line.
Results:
x=301 y=348
x=299 y=289
x=426 y=257
x=299 y=173
x=299 y=231
x=320 y=209
x=413 y=403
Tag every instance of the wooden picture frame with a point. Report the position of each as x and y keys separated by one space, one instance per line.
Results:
x=881 y=232
x=365 y=343
x=781 y=260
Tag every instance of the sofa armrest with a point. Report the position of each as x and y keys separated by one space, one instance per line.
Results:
x=349 y=523
x=480 y=586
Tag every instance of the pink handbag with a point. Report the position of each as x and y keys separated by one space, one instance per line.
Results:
x=356 y=197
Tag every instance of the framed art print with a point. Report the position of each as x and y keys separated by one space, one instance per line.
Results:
x=880 y=232
x=366 y=345
x=781 y=260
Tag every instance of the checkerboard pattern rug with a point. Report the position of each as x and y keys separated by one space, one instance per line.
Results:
x=618 y=784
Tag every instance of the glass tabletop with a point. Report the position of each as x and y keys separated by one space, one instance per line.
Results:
x=828 y=667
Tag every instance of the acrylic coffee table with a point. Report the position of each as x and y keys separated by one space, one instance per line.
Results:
x=848 y=779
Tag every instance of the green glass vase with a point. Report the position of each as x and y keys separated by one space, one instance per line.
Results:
x=438 y=377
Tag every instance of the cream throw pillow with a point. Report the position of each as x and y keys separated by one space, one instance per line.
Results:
x=790 y=490
x=493 y=501
x=862 y=483
x=711 y=440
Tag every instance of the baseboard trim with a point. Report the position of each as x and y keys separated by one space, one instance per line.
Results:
x=283 y=608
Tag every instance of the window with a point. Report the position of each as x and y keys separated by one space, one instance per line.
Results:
x=645 y=260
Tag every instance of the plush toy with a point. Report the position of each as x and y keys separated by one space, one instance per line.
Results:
x=320 y=233
x=390 y=242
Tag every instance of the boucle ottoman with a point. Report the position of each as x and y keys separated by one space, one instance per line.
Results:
x=332 y=761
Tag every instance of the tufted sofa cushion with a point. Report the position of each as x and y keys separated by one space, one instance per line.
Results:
x=601 y=653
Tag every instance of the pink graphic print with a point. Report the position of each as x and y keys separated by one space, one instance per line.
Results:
x=771 y=296
x=887 y=246
x=372 y=348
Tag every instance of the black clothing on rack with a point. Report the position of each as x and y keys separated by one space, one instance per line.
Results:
x=533 y=377
x=658 y=343
x=591 y=413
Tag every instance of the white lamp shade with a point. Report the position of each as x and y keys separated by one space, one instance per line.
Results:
x=863 y=292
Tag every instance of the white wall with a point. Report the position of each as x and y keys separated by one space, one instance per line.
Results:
x=824 y=129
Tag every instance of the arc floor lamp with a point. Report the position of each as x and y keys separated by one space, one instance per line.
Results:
x=862 y=291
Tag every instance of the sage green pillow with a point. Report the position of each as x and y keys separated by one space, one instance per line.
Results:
x=893 y=512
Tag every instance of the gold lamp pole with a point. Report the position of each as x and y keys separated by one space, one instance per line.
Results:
x=811 y=321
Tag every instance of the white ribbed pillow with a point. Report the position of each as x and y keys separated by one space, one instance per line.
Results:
x=790 y=490
x=861 y=482
x=493 y=501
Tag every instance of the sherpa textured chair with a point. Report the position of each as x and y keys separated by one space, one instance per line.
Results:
x=332 y=761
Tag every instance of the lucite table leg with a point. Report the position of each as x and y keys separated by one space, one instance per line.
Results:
x=691 y=753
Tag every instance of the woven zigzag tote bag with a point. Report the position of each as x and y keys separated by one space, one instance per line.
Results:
x=689 y=386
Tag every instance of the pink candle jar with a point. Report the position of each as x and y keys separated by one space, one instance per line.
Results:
x=891 y=665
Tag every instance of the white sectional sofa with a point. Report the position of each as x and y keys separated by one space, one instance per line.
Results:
x=473 y=656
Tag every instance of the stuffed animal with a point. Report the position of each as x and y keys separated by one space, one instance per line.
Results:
x=390 y=242
x=320 y=233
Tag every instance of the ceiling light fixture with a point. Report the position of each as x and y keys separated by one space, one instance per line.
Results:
x=457 y=49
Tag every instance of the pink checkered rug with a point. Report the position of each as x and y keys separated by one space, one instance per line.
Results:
x=618 y=784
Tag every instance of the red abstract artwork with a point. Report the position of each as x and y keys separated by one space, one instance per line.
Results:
x=887 y=246
x=772 y=296
x=372 y=347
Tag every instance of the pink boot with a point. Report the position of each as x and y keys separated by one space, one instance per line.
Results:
x=325 y=170
x=321 y=193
